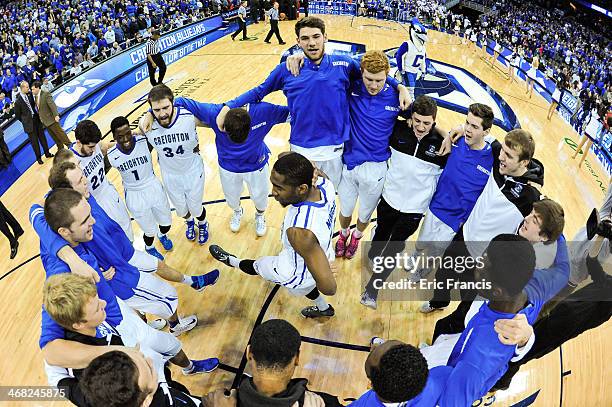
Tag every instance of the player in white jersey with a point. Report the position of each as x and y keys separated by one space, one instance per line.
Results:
x=411 y=55
x=90 y=150
x=175 y=138
x=144 y=194
x=303 y=266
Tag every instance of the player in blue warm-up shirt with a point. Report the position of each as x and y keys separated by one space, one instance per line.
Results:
x=241 y=151
x=69 y=215
x=463 y=179
x=478 y=358
x=399 y=377
x=317 y=98
x=374 y=107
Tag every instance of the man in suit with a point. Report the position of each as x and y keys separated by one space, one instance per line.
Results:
x=47 y=110
x=27 y=113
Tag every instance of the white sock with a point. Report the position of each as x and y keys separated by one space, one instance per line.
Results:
x=234 y=261
x=202 y=222
x=187 y=280
x=160 y=235
x=148 y=247
x=189 y=220
x=321 y=304
x=344 y=232
x=188 y=368
x=357 y=234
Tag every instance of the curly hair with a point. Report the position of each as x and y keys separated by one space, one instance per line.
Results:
x=401 y=374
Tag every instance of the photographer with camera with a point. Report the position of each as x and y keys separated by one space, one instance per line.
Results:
x=582 y=309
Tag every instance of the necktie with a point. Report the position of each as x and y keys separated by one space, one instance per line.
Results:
x=27 y=100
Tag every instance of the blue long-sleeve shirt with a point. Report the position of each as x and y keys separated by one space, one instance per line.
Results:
x=463 y=179
x=317 y=99
x=371 y=123
x=427 y=398
x=50 y=330
x=251 y=155
x=479 y=359
x=109 y=249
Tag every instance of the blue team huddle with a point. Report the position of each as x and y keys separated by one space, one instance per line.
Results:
x=359 y=143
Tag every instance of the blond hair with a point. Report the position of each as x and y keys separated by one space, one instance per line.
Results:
x=65 y=296
x=375 y=61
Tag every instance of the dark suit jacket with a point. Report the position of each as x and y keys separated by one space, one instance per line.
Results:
x=23 y=113
x=47 y=109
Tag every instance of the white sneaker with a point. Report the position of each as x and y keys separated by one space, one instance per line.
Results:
x=260 y=225
x=235 y=220
x=425 y=308
x=158 y=324
x=185 y=324
x=367 y=300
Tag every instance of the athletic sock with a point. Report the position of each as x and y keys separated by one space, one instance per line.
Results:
x=187 y=280
x=202 y=222
x=357 y=234
x=234 y=261
x=189 y=368
x=344 y=232
x=190 y=220
x=321 y=304
x=149 y=247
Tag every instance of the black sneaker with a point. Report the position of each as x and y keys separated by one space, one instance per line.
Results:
x=314 y=312
x=220 y=254
x=282 y=43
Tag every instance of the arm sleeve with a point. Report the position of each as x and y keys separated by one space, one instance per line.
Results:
x=546 y=283
x=50 y=330
x=205 y=112
x=52 y=105
x=277 y=114
x=49 y=240
x=399 y=56
x=463 y=386
x=273 y=82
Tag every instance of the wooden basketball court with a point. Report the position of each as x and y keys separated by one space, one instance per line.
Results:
x=571 y=376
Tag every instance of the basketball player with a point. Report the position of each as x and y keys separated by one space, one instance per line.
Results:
x=144 y=194
x=399 y=375
x=175 y=138
x=374 y=108
x=141 y=291
x=463 y=179
x=316 y=97
x=63 y=175
x=478 y=358
x=504 y=202
x=303 y=266
x=241 y=152
x=411 y=56
x=79 y=320
x=90 y=150
x=414 y=169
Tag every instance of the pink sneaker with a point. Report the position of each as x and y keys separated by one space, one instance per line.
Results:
x=341 y=245
x=351 y=249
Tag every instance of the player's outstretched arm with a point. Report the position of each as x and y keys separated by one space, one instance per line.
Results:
x=73 y=355
x=305 y=243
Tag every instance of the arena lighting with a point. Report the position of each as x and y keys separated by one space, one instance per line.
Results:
x=595 y=7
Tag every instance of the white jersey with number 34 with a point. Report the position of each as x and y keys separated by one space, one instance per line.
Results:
x=175 y=144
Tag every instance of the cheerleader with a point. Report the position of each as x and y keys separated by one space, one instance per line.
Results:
x=532 y=73
x=591 y=132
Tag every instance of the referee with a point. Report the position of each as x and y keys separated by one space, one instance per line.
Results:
x=242 y=16
x=272 y=15
x=155 y=59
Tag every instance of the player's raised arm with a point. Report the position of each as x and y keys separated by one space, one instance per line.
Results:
x=305 y=243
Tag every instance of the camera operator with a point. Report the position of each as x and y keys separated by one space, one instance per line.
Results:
x=582 y=309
